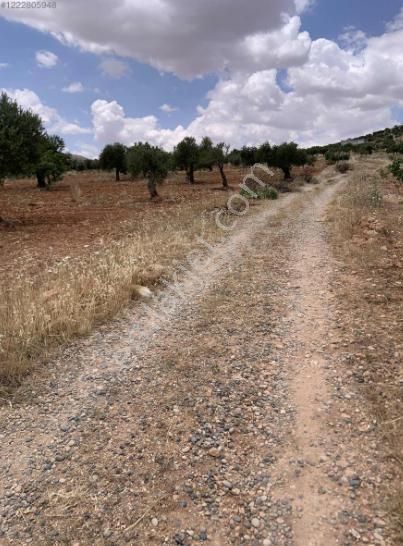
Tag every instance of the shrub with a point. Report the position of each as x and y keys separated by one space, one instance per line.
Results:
x=343 y=166
x=333 y=155
x=268 y=192
x=396 y=169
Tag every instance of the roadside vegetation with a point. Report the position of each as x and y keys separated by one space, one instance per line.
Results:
x=366 y=229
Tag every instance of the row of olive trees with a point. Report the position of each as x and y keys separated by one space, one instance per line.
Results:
x=26 y=149
x=154 y=164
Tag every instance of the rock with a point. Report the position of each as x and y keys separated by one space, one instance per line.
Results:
x=255 y=523
x=214 y=452
x=107 y=533
x=355 y=534
x=154 y=522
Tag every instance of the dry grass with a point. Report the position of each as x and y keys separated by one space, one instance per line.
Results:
x=368 y=240
x=72 y=294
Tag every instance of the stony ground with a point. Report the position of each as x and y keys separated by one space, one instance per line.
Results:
x=223 y=416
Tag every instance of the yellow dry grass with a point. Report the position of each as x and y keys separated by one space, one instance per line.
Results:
x=366 y=227
x=71 y=296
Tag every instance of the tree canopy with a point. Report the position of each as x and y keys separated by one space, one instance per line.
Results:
x=52 y=161
x=286 y=156
x=149 y=161
x=21 y=139
x=113 y=156
x=186 y=156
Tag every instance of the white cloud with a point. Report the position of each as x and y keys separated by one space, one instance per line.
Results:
x=87 y=150
x=167 y=108
x=51 y=118
x=114 y=68
x=74 y=87
x=396 y=23
x=188 y=38
x=111 y=125
x=303 y=5
x=46 y=59
x=353 y=39
x=335 y=94
x=333 y=73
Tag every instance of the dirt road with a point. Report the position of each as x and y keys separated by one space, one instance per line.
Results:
x=218 y=423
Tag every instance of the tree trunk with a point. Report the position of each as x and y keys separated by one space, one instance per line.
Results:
x=191 y=175
x=40 y=177
x=152 y=188
x=117 y=175
x=223 y=177
x=287 y=172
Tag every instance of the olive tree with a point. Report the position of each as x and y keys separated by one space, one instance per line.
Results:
x=214 y=155
x=148 y=161
x=52 y=161
x=285 y=156
x=113 y=156
x=248 y=156
x=186 y=157
x=21 y=139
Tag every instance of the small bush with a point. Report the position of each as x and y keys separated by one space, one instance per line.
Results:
x=343 y=166
x=334 y=155
x=375 y=195
x=268 y=192
x=396 y=169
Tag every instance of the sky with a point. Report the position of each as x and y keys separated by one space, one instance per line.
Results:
x=312 y=71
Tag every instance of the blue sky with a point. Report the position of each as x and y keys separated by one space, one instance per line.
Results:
x=328 y=18
x=161 y=76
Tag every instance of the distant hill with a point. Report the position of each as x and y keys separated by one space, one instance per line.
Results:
x=79 y=158
x=388 y=140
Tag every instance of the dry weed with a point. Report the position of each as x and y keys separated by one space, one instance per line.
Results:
x=366 y=229
x=69 y=297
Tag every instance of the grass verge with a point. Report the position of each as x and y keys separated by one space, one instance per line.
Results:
x=68 y=297
x=367 y=237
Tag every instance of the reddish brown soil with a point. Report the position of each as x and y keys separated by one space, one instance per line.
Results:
x=46 y=225
x=42 y=226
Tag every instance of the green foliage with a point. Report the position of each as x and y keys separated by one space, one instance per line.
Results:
x=21 y=136
x=214 y=155
x=76 y=163
x=186 y=156
x=150 y=162
x=365 y=149
x=264 y=153
x=234 y=157
x=396 y=169
x=285 y=156
x=206 y=156
x=337 y=153
x=268 y=192
x=113 y=156
x=52 y=163
x=249 y=156
x=316 y=150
